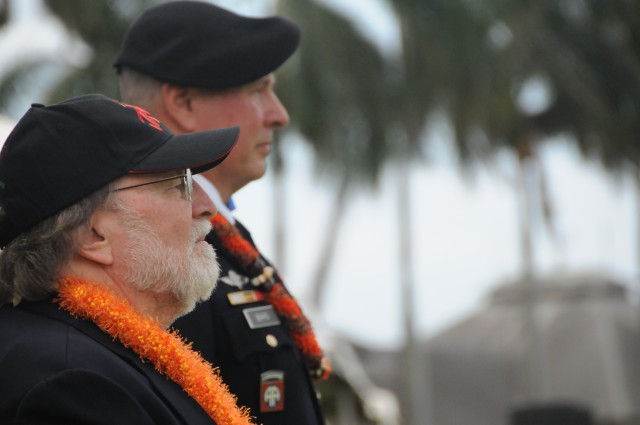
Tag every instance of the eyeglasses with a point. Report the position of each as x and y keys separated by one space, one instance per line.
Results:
x=186 y=184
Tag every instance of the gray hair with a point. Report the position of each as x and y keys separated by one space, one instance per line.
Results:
x=138 y=89
x=31 y=264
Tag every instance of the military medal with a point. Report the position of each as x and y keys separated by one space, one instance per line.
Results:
x=272 y=391
x=244 y=297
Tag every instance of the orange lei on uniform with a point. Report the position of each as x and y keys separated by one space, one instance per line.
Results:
x=169 y=354
x=276 y=294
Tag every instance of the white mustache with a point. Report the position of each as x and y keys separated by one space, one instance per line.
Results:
x=200 y=229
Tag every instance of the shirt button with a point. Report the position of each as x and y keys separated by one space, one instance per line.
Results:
x=272 y=341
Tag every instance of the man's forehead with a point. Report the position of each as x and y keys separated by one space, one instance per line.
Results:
x=269 y=79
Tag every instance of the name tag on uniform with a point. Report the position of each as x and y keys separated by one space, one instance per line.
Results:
x=244 y=297
x=261 y=317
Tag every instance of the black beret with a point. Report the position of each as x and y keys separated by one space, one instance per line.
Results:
x=198 y=44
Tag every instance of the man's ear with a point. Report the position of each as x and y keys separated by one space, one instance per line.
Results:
x=93 y=242
x=178 y=106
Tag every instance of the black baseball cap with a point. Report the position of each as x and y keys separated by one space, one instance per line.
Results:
x=198 y=44
x=57 y=155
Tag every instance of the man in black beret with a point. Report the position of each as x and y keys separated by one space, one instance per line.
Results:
x=197 y=66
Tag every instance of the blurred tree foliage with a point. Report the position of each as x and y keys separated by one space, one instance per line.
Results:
x=335 y=92
x=102 y=25
x=4 y=11
x=473 y=60
x=587 y=54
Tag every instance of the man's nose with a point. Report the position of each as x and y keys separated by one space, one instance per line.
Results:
x=201 y=205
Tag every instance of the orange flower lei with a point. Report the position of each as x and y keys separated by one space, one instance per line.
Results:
x=276 y=294
x=169 y=354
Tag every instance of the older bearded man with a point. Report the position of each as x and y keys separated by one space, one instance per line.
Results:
x=102 y=231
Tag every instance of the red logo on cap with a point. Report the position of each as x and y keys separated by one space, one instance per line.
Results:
x=144 y=116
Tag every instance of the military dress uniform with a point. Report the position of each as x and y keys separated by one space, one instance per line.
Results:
x=239 y=332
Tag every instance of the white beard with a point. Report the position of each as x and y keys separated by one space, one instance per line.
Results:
x=190 y=276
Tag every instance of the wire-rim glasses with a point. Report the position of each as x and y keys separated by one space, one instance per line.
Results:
x=186 y=187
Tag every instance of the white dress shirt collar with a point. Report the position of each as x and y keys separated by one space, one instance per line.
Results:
x=213 y=193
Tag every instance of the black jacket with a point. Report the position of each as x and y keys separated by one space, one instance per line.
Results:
x=57 y=369
x=221 y=332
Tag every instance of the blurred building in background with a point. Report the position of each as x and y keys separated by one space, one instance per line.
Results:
x=587 y=370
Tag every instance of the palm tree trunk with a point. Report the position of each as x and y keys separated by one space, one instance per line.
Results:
x=279 y=220
x=328 y=248
x=416 y=394
x=536 y=372
x=637 y=175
